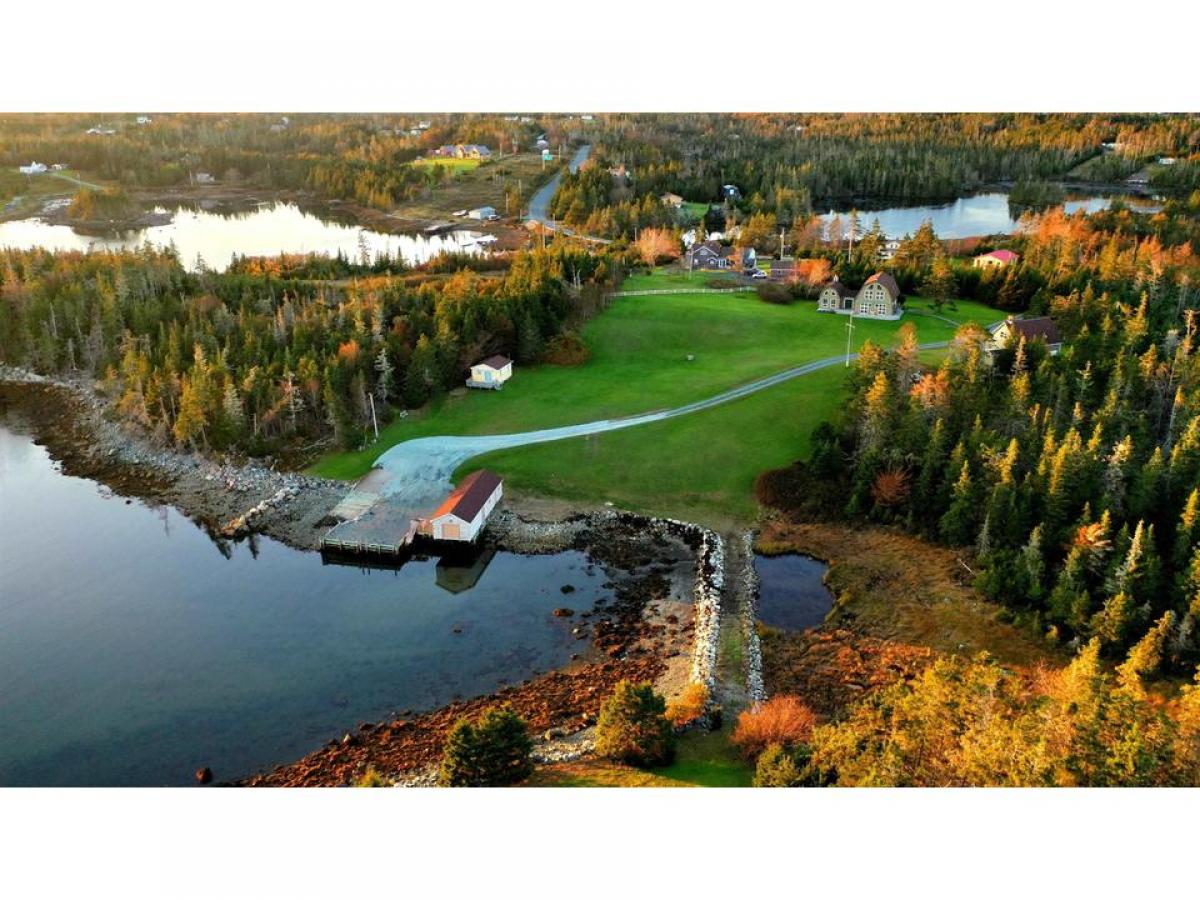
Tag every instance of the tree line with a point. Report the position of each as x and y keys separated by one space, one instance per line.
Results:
x=251 y=360
x=1074 y=478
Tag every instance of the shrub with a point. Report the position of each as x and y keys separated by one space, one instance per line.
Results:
x=372 y=778
x=782 y=720
x=568 y=349
x=632 y=727
x=492 y=750
x=689 y=706
x=773 y=292
x=776 y=768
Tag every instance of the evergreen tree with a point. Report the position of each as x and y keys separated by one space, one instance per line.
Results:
x=494 y=750
x=632 y=727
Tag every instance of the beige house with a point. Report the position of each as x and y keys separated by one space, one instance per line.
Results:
x=878 y=298
x=463 y=514
x=671 y=200
x=997 y=259
x=1041 y=328
x=491 y=373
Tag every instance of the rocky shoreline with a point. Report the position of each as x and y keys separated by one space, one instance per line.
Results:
x=650 y=633
x=661 y=626
x=72 y=422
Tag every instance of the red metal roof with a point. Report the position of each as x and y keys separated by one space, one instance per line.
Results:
x=1003 y=255
x=468 y=498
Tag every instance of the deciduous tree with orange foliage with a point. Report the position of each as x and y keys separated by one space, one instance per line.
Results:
x=784 y=720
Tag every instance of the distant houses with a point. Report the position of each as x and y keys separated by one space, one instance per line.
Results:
x=889 y=249
x=673 y=200
x=483 y=214
x=491 y=373
x=100 y=129
x=731 y=192
x=34 y=168
x=1041 y=328
x=463 y=151
x=144 y=120
x=204 y=178
x=878 y=298
x=715 y=255
x=782 y=270
x=997 y=259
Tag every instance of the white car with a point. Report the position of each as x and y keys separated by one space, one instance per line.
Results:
x=757 y=273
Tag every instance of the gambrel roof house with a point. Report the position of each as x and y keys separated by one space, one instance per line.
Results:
x=878 y=298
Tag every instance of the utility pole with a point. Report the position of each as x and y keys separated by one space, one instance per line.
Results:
x=849 y=334
x=374 y=421
x=781 y=243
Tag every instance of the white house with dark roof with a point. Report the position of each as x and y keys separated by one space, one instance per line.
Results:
x=463 y=514
x=491 y=373
x=1039 y=328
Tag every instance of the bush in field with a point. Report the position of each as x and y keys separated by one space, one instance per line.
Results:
x=632 y=727
x=689 y=706
x=492 y=750
x=772 y=292
x=568 y=349
x=778 y=767
x=782 y=720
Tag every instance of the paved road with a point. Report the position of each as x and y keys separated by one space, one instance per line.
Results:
x=417 y=473
x=539 y=203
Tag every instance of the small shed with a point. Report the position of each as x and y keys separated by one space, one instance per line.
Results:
x=483 y=213
x=491 y=373
x=463 y=514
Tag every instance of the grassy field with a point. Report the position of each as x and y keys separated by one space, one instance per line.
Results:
x=693 y=211
x=700 y=466
x=22 y=196
x=473 y=184
x=702 y=759
x=450 y=163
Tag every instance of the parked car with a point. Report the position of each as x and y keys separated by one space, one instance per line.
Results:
x=757 y=273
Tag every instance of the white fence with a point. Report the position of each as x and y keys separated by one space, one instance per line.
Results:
x=735 y=290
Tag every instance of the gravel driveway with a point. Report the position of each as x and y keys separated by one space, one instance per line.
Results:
x=416 y=473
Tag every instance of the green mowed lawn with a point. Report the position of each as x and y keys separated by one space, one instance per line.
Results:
x=454 y=164
x=702 y=759
x=700 y=466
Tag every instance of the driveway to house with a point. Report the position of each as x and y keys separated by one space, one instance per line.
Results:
x=539 y=203
x=416 y=474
